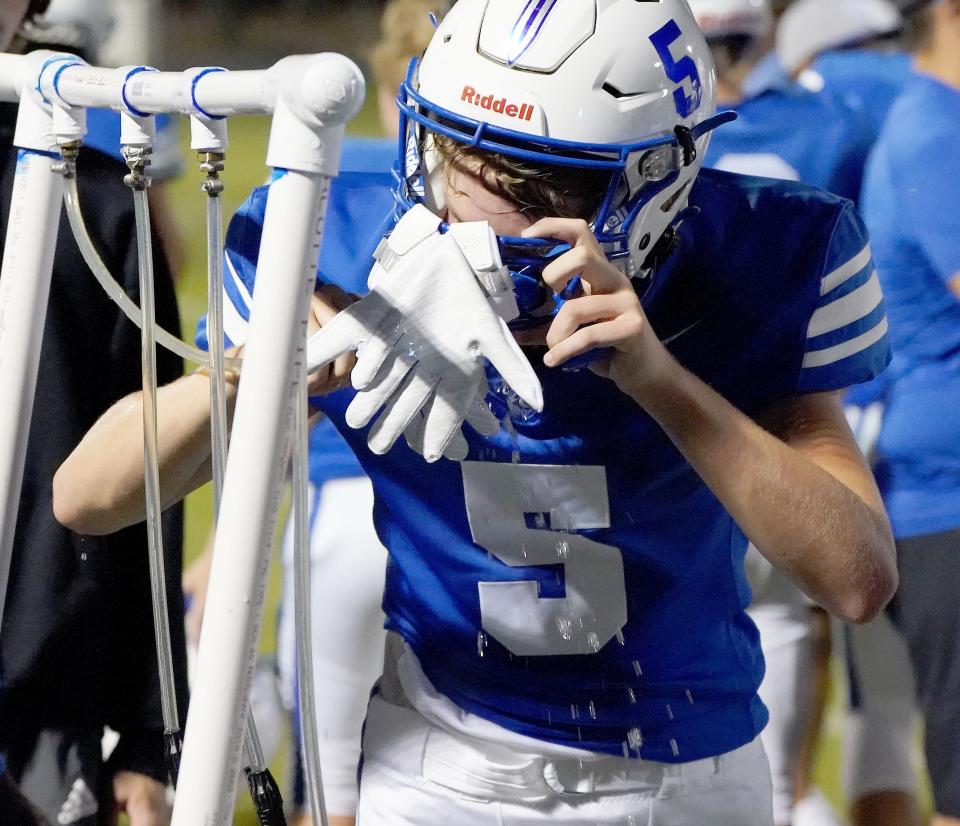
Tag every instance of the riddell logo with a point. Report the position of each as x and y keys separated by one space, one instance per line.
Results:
x=499 y=105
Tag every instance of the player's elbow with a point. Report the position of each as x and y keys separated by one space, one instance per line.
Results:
x=78 y=506
x=868 y=593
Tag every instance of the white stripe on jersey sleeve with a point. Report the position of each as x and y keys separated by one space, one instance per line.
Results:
x=833 y=280
x=852 y=307
x=821 y=358
x=237 y=281
x=234 y=324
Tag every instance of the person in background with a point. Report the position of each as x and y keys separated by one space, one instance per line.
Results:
x=851 y=50
x=82 y=27
x=911 y=202
x=77 y=648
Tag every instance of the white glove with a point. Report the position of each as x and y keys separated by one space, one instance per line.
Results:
x=437 y=304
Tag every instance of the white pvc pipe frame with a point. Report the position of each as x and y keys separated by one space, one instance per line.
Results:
x=311 y=98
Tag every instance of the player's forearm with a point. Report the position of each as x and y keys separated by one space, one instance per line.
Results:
x=100 y=489
x=826 y=529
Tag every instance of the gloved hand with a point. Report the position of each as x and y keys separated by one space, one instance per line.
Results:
x=438 y=303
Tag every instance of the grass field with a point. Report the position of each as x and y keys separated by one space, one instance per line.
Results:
x=245 y=169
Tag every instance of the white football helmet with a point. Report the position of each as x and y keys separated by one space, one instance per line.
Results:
x=729 y=18
x=617 y=85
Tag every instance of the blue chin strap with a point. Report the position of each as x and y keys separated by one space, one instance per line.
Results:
x=526 y=258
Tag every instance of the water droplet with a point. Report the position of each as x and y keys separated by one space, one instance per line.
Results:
x=634 y=739
x=515 y=457
x=482 y=643
x=689 y=697
x=549 y=718
x=674 y=748
x=620 y=638
x=631 y=820
x=637 y=669
x=83 y=556
x=669 y=711
x=475 y=351
x=563 y=548
x=565 y=627
x=540 y=521
x=631 y=696
x=593 y=710
x=626 y=750
x=593 y=641
x=523 y=551
x=574 y=711
x=412 y=350
x=579 y=735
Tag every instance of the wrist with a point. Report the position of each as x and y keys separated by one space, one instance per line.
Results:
x=646 y=379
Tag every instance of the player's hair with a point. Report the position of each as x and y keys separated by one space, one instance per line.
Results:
x=538 y=190
x=730 y=50
x=405 y=31
x=36 y=7
x=917 y=27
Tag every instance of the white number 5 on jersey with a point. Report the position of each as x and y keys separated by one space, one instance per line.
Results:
x=503 y=500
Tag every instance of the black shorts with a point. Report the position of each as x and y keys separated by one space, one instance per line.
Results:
x=60 y=773
x=926 y=609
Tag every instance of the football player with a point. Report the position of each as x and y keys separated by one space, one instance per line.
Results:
x=911 y=204
x=566 y=600
x=850 y=51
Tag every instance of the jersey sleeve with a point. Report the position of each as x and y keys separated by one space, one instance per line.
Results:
x=846 y=341
x=241 y=249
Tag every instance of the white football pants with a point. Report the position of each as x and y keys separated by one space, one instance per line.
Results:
x=417 y=774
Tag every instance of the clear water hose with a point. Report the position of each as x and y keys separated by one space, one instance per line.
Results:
x=113 y=289
x=302 y=597
x=148 y=356
x=263 y=788
x=218 y=400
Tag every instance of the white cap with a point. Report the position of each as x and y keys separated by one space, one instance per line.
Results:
x=809 y=27
x=74 y=24
x=728 y=18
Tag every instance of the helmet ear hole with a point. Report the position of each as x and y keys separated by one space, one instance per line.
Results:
x=645 y=242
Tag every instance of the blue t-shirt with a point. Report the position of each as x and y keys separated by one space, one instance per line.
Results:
x=790 y=133
x=911 y=203
x=575 y=580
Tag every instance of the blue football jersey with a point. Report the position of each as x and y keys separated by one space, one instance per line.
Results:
x=368 y=154
x=790 y=133
x=912 y=207
x=574 y=579
x=863 y=80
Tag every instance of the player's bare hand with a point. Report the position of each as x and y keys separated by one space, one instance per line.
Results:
x=325 y=304
x=606 y=315
x=141 y=798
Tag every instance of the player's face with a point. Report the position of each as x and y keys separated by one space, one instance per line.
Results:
x=468 y=199
x=12 y=13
